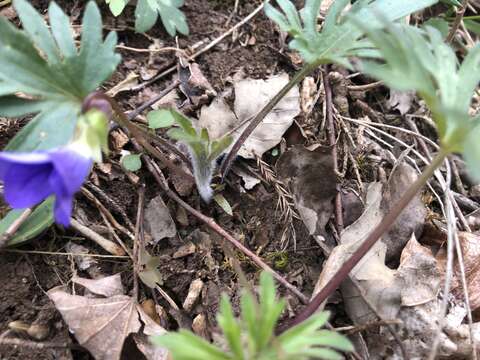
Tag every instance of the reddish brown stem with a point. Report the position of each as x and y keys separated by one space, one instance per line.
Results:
x=374 y=236
x=333 y=143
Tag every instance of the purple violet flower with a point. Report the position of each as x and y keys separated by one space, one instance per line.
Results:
x=30 y=178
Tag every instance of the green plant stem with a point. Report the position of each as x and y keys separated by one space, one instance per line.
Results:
x=372 y=238
x=299 y=76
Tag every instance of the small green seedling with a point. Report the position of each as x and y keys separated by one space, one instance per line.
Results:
x=148 y=11
x=252 y=336
x=203 y=151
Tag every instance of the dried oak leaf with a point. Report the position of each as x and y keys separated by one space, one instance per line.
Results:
x=101 y=325
x=385 y=288
x=470 y=245
x=158 y=221
x=106 y=286
x=250 y=97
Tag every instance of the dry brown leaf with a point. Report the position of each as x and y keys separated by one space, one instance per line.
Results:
x=100 y=325
x=194 y=85
x=125 y=85
x=217 y=118
x=401 y=100
x=158 y=221
x=412 y=218
x=309 y=95
x=382 y=286
x=106 y=286
x=250 y=97
x=149 y=273
x=470 y=244
x=313 y=183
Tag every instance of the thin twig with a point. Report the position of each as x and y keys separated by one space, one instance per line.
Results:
x=136 y=242
x=358 y=328
x=466 y=296
x=38 y=345
x=457 y=22
x=365 y=87
x=227 y=162
x=333 y=144
x=153 y=168
x=13 y=228
x=107 y=245
x=112 y=203
x=142 y=136
x=38 y=252
x=451 y=230
x=134 y=113
x=105 y=212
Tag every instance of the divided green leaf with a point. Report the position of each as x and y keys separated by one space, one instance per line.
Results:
x=339 y=38
x=148 y=11
x=52 y=76
x=418 y=59
x=117 y=6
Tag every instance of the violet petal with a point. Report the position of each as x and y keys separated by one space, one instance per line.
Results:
x=72 y=168
x=25 y=184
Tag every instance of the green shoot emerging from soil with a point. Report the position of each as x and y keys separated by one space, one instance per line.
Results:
x=203 y=151
x=252 y=336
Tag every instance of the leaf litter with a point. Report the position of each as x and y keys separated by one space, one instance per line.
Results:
x=413 y=299
x=102 y=324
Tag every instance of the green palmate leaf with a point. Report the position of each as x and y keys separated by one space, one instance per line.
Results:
x=269 y=310
x=439 y=24
x=249 y=310
x=131 y=162
x=38 y=221
x=49 y=69
x=471 y=150
x=452 y=2
x=416 y=59
x=322 y=353
x=147 y=12
x=473 y=26
x=340 y=38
